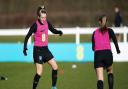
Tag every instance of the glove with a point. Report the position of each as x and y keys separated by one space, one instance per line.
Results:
x=118 y=51
x=25 y=51
x=60 y=33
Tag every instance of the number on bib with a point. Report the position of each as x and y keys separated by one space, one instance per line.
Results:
x=43 y=37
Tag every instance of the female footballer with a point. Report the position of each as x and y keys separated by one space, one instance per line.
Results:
x=103 y=57
x=41 y=53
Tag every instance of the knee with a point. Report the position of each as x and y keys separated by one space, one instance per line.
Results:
x=55 y=67
x=101 y=78
x=39 y=72
x=110 y=71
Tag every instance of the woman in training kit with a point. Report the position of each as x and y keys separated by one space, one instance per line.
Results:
x=41 y=53
x=103 y=58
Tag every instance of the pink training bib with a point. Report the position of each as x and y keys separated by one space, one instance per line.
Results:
x=41 y=35
x=102 y=41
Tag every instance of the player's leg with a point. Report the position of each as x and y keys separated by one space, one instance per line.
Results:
x=108 y=63
x=54 y=66
x=39 y=70
x=100 y=77
x=99 y=68
x=38 y=60
x=110 y=77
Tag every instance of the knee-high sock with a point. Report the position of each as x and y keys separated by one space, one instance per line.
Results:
x=54 y=77
x=35 y=81
x=110 y=80
x=100 y=84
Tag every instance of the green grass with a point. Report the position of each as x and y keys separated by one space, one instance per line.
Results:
x=52 y=38
x=20 y=76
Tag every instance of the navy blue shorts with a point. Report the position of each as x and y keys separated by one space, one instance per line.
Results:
x=103 y=58
x=42 y=54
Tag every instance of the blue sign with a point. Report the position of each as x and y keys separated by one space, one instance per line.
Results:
x=63 y=52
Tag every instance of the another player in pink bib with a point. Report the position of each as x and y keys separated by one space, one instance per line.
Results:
x=102 y=41
x=41 y=53
x=103 y=58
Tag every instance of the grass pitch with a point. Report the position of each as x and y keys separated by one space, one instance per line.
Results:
x=20 y=76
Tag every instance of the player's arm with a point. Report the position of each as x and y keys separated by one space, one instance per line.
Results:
x=93 y=42
x=31 y=30
x=113 y=37
x=53 y=30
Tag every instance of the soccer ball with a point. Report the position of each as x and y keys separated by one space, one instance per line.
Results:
x=74 y=66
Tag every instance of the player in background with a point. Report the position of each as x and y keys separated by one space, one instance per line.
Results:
x=41 y=52
x=103 y=57
x=117 y=21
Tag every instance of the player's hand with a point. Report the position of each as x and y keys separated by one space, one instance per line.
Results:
x=118 y=51
x=60 y=33
x=25 y=51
